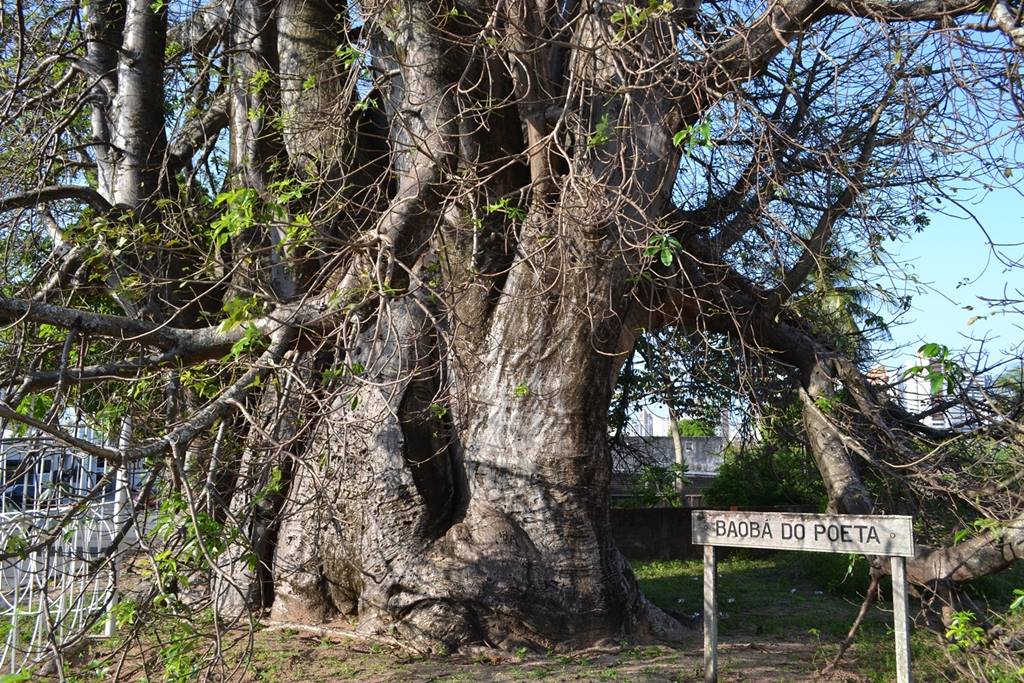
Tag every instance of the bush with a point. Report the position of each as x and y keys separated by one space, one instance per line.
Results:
x=766 y=474
x=657 y=486
x=690 y=427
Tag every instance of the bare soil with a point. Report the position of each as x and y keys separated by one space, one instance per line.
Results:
x=283 y=654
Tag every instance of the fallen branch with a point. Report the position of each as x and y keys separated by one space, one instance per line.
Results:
x=869 y=599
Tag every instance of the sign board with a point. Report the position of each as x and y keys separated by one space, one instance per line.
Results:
x=891 y=536
x=863 y=534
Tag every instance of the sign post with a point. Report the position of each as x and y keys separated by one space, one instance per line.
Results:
x=886 y=535
x=710 y=615
x=901 y=620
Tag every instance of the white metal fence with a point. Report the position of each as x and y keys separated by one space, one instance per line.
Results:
x=60 y=511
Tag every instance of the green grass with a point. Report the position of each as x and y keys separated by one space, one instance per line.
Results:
x=801 y=596
x=874 y=653
x=785 y=593
x=784 y=617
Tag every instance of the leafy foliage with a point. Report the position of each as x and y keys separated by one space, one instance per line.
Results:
x=658 y=486
x=767 y=474
x=691 y=427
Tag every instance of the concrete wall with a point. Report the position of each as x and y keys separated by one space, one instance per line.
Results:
x=664 y=533
x=654 y=533
x=701 y=454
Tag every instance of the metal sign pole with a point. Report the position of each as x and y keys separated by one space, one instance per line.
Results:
x=901 y=623
x=710 y=616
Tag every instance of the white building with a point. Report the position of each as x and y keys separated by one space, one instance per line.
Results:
x=912 y=388
x=38 y=471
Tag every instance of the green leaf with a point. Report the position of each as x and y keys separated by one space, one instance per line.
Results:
x=1018 y=602
x=287 y=190
x=36 y=405
x=19 y=677
x=125 y=613
x=365 y=104
x=348 y=54
x=251 y=341
x=602 y=133
x=258 y=81
x=663 y=247
x=505 y=207
x=239 y=309
x=16 y=545
x=704 y=132
x=240 y=213
x=696 y=135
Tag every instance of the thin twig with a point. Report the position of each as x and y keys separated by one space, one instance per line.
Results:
x=869 y=599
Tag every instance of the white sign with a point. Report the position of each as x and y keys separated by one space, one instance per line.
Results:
x=891 y=535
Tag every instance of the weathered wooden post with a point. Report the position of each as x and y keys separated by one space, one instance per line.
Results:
x=710 y=615
x=900 y=617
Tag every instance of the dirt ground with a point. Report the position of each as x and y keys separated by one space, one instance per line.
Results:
x=288 y=655
x=295 y=658
x=782 y=620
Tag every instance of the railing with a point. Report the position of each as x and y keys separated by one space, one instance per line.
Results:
x=59 y=571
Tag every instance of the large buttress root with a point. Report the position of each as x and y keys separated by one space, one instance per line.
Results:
x=451 y=538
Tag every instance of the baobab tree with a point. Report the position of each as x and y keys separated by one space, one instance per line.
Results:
x=361 y=277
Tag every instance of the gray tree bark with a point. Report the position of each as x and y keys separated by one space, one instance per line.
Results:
x=430 y=409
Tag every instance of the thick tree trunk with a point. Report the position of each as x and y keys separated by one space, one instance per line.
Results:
x=457 y=490
x=260 y=481
x=138 y=134
x=499 y=546
x=847 y=493
x=469 y=507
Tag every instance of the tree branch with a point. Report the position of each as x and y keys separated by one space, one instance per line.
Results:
x=984 y=554
x=750 y=50
x=90 y=373
x=814 y=248
x=914 y=10
x=197 y=344
x=53 y=193
x=195 y=33
x=105 y=454
x=281 y=340
x=1008 y=23
x=198 y=133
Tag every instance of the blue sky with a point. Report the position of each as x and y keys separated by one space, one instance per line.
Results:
x=956 y=261
x=956 y=264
